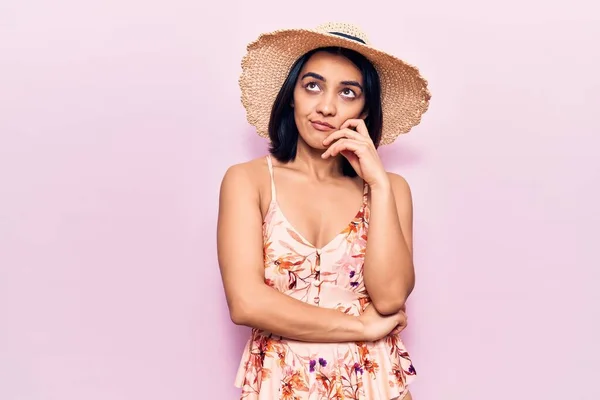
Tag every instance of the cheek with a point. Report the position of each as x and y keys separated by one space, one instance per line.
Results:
x=302 y=104
x=351 y=110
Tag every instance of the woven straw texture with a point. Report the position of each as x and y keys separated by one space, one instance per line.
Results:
x=404 y=92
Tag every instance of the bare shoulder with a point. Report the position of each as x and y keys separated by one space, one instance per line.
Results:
x=400 y=186
x=245 y=170
x=245 y=179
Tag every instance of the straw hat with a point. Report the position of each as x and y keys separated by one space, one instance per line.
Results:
x=404 y=93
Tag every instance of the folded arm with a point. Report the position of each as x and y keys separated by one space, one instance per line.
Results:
x=251 y=302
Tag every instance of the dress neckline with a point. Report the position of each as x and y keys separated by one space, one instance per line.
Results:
x=357 y=219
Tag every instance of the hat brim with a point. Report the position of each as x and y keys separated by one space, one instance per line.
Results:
x=404 y=92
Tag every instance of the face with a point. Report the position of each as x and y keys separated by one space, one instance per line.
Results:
x=328 y=92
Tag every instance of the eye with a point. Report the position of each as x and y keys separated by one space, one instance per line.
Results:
x=312 y=86
x=347 y=92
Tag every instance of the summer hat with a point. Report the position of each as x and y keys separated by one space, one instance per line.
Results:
x=265 y=66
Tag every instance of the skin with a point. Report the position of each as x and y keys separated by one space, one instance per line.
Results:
x=319 y=201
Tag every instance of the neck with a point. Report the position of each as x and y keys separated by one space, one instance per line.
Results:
x=309 y=161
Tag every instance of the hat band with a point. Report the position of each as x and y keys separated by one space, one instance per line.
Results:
x=349 y=37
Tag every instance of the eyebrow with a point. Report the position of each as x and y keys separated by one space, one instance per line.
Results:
x=314 y=75
x=352 y=83
x=321 y=78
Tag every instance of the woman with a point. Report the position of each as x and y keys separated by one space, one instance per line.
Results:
x=326 y=304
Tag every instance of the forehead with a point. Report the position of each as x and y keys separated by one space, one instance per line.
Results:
x=332 y=66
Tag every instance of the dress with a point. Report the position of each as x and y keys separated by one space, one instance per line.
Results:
x=274 y=368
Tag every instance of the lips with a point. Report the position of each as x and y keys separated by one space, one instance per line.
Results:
x=322 y=126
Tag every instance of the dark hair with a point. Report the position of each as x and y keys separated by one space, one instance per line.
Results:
x=283 y=131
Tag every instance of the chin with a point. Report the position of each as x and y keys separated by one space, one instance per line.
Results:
x=314 y=140
x=317 y=142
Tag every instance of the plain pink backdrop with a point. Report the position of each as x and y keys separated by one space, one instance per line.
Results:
x=119 y=118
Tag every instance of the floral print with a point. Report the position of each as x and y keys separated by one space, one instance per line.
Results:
x=273 y=367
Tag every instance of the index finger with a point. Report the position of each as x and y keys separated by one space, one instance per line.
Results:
x=357 y=123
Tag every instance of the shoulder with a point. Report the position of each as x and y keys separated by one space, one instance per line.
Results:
x=399 y=185
x=245 y=178
x=245 y=170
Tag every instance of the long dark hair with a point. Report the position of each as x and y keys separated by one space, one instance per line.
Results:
x=283 y=131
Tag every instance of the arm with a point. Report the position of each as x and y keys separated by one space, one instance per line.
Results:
x=389 y=272
x=251 y=302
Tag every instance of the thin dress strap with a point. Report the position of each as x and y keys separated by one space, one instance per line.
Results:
x=365 y=192
x=273 y=192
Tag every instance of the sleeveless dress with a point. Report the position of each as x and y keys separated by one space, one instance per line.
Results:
x=273 y=367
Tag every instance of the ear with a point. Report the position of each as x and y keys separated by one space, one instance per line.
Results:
x=364 y=114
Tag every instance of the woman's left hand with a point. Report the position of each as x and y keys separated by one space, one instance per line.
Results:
x=359 y=150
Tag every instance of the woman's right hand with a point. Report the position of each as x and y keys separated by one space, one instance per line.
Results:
x=377 y=326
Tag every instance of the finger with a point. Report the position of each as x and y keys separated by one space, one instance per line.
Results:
x=347 y=133
x=343 y=144
x=402 y=317
x=401 y=325
x=342 y=133
x=358 y=124
x=398 y=329
x=335 y=148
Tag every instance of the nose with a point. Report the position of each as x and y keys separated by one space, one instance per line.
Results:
x=326 y=105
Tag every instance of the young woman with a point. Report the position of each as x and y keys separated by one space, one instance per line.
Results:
x=315 y=239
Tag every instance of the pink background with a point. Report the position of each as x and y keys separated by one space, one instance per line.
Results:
x=119 y=118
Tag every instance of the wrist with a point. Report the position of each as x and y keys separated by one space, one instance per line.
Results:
x=357 y=329
x=381 y=184
x=383 y=187
x=362 y=331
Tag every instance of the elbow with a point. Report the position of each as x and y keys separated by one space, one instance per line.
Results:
x=238 y=317
x=393 y=299
x=388 y=307
x=245 y=304
x=240 y=312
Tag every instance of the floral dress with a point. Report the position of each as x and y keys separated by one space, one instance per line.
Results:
x=273 y=367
